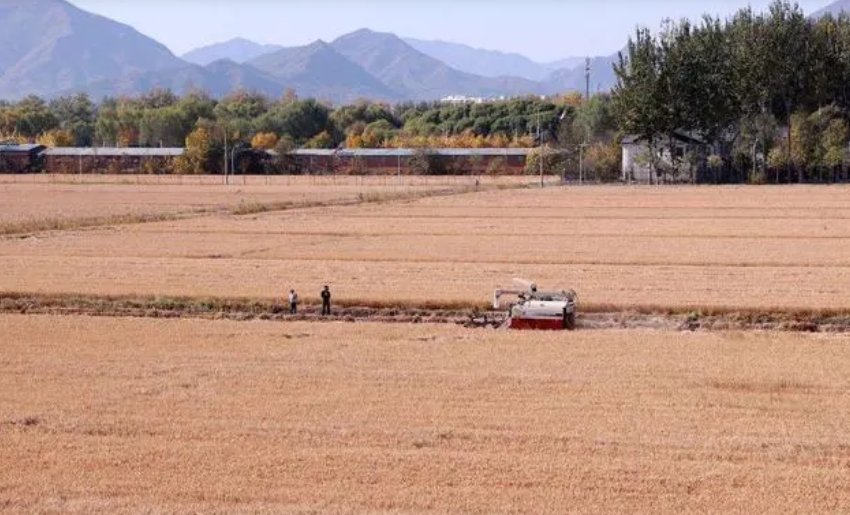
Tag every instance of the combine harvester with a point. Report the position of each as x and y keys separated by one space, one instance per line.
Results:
x=537 y=309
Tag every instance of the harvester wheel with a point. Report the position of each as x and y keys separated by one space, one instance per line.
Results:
x=570 y=322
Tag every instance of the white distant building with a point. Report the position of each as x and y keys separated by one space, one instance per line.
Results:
x=639 y=158
x=461 y=99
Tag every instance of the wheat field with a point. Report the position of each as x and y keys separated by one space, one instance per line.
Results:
x=72 y=197
x=674 y=247
x=131 y=416
x=147 y=416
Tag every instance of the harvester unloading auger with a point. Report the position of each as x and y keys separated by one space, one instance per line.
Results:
x=538 y=309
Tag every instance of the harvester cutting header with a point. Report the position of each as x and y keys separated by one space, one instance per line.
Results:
x=538 y=309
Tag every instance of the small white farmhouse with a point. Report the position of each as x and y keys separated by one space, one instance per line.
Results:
x=688 y=153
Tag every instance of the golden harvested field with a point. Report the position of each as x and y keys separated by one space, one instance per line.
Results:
x=672 y=247
x=124 y=416
x=37 y=197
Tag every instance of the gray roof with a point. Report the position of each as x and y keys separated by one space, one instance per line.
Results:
x=407 y=152
x=20 y=148
x=679 y=135
x=114 y=151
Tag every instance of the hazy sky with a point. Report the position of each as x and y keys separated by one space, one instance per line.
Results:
x=541 y=29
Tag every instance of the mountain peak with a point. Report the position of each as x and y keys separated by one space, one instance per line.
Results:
x=367 y=32
x=241 y=41
x=319 y=44
x=50 y=45
x=317 y=69
x=364 y=36
x=238 y=50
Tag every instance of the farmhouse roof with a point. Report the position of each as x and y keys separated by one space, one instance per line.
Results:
x=679 y=135
x=21 y=148
x=114 y=151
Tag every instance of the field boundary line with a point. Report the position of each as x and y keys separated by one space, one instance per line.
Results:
x=325 y=233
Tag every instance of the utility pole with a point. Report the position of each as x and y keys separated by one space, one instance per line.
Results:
x=540 y=143
x=233 y=161
x=225 y=156
x=587 y=129
x=581 y=162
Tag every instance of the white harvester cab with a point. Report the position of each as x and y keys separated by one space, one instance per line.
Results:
x=538 y=309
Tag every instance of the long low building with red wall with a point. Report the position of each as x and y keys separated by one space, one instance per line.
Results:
x=507 y=161
x=115 y=160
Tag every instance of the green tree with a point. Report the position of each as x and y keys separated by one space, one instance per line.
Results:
x=833 y=145
x=32 y=117
x=788 y=62
x=76 y=115
x=638 y=96
x=157 y=98
x=301 y=120
x=166 y=126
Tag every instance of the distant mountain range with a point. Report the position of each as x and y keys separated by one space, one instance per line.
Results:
x=323 y=72
x=238 y=50
x=834 y=9
x=218 y=79
x=486 y=63
x=51 y=48
x=490 y=63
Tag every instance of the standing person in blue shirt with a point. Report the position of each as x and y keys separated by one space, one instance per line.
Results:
x=326 y=301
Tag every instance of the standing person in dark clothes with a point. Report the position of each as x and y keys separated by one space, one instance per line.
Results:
x=293 y=302
x=326 y=301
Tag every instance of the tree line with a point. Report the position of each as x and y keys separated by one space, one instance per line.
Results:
x=769 y=92
x=251 y=120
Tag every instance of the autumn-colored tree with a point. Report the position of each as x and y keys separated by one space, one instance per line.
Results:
x=522 y=142
x=264 y=140
x=499 y=141
x=321 y=140
x=573 y=99
x=56 y=138
x=12 y=137
x=198 y=153
x=603 y=162
x=553 y=162
x=128 y=136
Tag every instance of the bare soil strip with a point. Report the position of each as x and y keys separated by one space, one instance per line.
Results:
x=591 y=317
